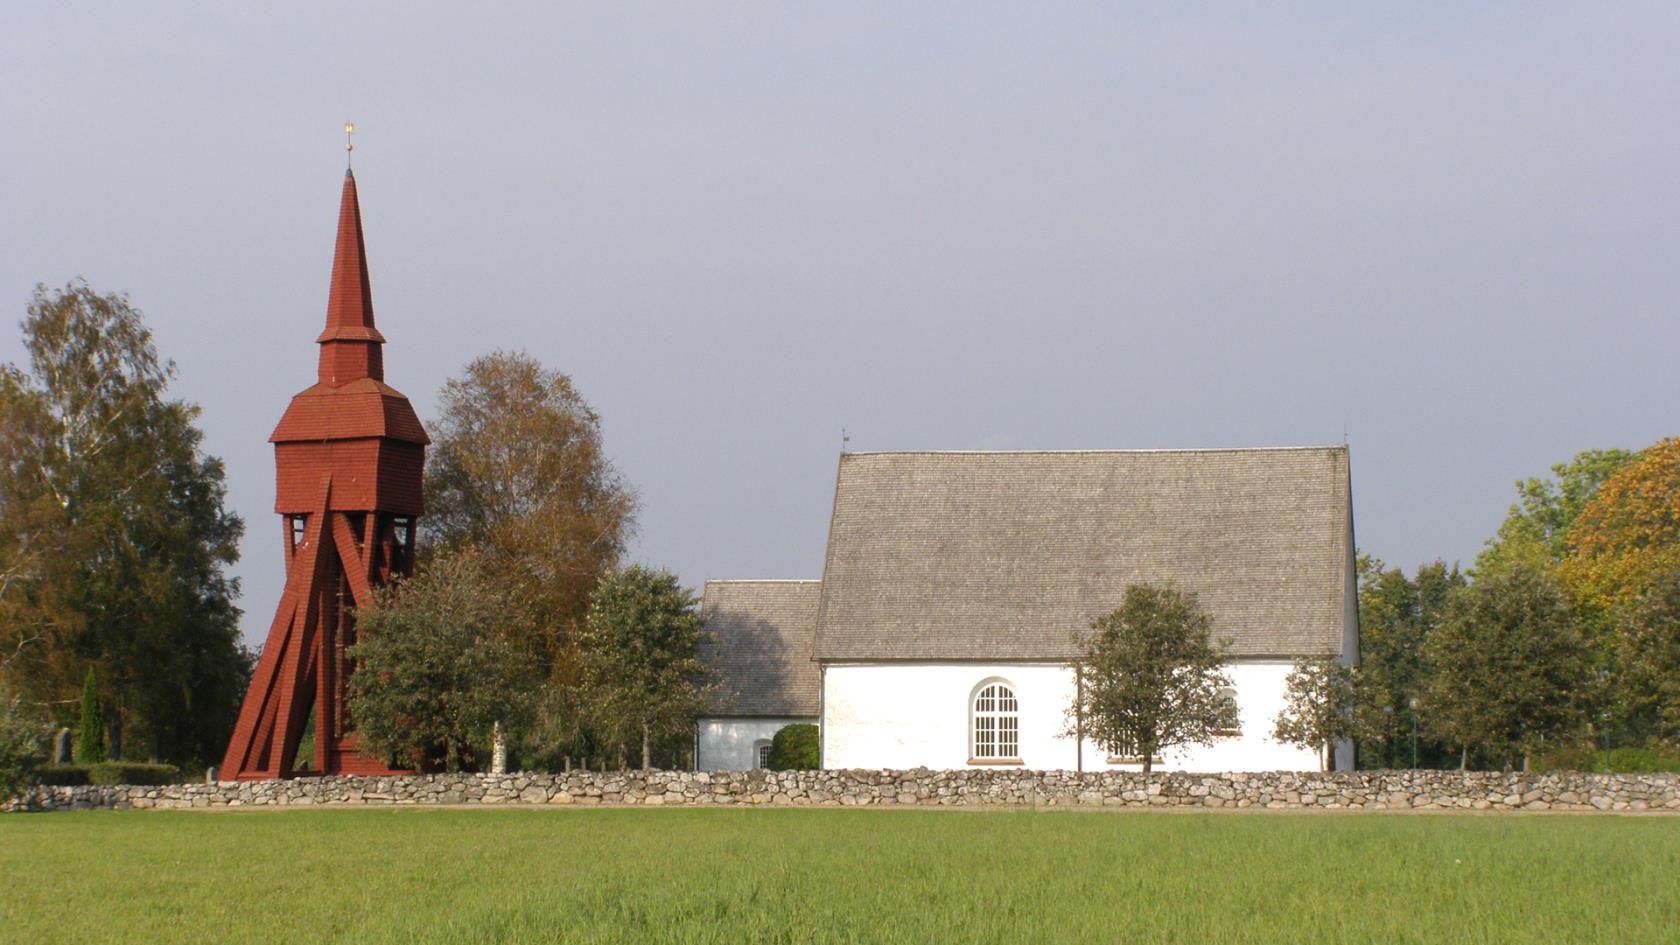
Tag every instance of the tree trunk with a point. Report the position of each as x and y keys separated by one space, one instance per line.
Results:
x=1463 y=757
x=1324 y=758
x=451 y=756
x=498 y=749
x=646 y=749
x=1525 y=762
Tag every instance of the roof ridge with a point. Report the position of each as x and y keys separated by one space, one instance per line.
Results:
x=1191 y=449
x=763 y=580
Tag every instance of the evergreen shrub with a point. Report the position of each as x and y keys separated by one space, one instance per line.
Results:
x=63 y=775
x=132 y=772
x=794 y=748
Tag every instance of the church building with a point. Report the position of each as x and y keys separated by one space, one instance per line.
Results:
x=942 y=632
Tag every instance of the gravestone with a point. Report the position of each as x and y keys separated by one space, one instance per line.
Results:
x=61 y=747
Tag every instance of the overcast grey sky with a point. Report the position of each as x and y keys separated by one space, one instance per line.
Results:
x=1447 y=229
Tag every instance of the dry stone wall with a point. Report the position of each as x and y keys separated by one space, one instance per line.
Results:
x=1365 y=790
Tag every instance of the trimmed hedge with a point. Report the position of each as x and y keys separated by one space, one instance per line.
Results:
x=109 y=772
x=794 y=748
x=1622 y=760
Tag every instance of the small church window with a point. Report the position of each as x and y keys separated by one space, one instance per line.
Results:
x=1228 y=696
x=761 y=753
x=996 y=723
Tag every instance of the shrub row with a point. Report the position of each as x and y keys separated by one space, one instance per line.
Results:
x=109 y=772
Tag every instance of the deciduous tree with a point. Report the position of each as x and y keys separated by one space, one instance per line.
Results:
x=517 y=469
x=440 y=660
x=1151 y=676
x=114 y=536
x=1397 y=615
x=1648 y=654
x=1627 y=535
x=1321 y=707
x=642 y=678
x=1538 y=524
x=1507 y=666
x=22 y=735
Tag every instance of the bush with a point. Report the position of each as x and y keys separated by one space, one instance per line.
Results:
x=21 y=737
x=1640 y=761
x=132 y=772
x=1622 y=760
x=63 y=775
x=794 y=748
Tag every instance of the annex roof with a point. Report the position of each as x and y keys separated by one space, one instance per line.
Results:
x=1003 y=555
x=761 y=646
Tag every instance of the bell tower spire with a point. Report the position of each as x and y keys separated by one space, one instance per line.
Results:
x=349 y=454
x=351 y=347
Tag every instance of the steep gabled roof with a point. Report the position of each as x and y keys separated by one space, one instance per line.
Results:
x=761 y=646
x=950 y=556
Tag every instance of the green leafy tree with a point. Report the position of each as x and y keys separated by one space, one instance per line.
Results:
x=439 y=662
x=1507 y=666
x=21 y=735
x=1397 y=615
x=517 y=471
x=794 y=748
x=1537 y=526
x=1151 y=676
x=1648 y=652
x=642 y=677
x=90 y=726
x=1321 y=707
x=114 y=536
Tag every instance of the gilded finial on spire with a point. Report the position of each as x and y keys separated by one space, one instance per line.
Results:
x=349 y=145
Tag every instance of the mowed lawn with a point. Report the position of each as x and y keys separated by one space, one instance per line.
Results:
x=803 y=875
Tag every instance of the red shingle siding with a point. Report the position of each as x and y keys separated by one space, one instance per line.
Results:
x=349 y=444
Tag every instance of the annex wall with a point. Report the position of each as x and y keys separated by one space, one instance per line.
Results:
x=1364 y=790
x=905 y=715
x=729 y=744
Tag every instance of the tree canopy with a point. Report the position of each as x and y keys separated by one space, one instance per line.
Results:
x=1627 y=534
x=642 y=677
x=439 y=663
x=1397 y=615
x=114 y=536
x=1538 y=524
x=1507 y=665
x=1320 y=707
x=517 y=469
x=1151 y=676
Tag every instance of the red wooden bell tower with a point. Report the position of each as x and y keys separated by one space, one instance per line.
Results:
x=348 y=456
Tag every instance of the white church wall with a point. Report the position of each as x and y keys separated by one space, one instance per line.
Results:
x=726 y=744
x=906 y=715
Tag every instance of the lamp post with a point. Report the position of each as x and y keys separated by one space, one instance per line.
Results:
x=1604 y=713
x=1605 y=724
x=1412 y=704
x=1388 y=735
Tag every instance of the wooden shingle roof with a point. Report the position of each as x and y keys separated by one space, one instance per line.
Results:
x=952 y=556
x=761 y=646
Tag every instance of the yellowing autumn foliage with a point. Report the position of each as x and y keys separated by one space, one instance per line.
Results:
x=1629 y=532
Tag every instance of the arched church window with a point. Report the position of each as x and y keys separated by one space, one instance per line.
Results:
x=1233 y=713
x=996 y=723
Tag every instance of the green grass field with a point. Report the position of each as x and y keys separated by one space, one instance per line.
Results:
x=799 y=875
